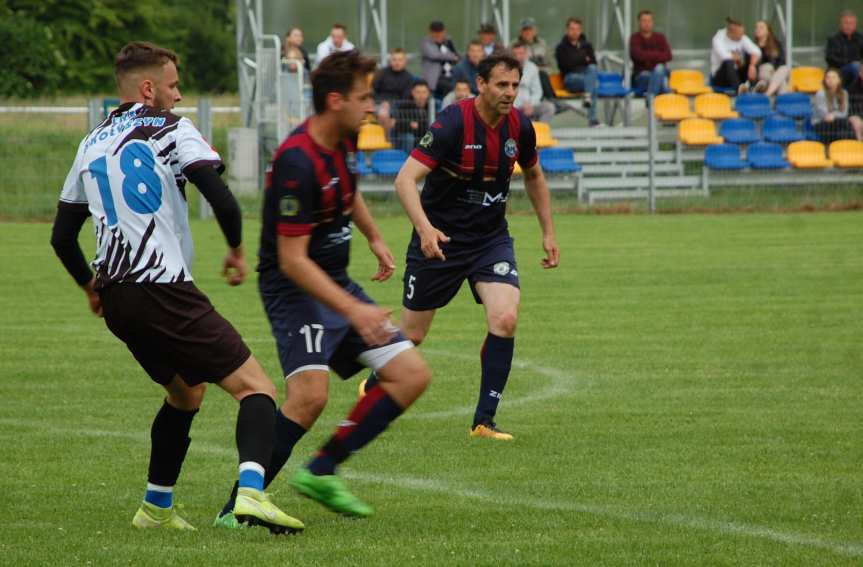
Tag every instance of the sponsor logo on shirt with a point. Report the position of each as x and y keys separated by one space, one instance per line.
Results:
x=289 y=206
x=473 y=146
x=501 y=268
x=427 y=140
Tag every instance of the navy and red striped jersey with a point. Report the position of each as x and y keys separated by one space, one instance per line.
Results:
x=466 y=192
x=309 y=190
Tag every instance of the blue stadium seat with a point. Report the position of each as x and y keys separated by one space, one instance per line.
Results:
x=781 y=130
x=388 y=162
x=723 y=157
x=794 y=105
x=753 y=105
x=363 y=167
x=610 y=85
x=809 y=132
x=739 y=131
x=558 y=160
x=766 y=156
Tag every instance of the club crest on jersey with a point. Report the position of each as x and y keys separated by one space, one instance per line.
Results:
x=289 y=206
x=501 y=268
x=427 y=140
x=509 y=148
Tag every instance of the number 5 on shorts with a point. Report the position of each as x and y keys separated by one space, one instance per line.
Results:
x=313 y=344
x=411 y=280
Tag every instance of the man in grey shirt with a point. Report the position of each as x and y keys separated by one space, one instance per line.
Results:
x=529 y=99
x=438 y=58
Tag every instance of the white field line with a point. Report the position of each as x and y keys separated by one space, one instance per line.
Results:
x=849 y=549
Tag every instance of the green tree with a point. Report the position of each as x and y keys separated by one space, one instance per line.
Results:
x=28 y=61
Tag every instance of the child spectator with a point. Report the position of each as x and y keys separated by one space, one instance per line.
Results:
x=772 y=70
x=830 y=112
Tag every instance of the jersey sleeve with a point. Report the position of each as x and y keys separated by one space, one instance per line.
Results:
x=440 y=138
x=527 y=144
x=192 y=149
x=73 y=188
x=295 y=195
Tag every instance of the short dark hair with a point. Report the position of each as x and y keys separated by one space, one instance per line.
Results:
x=573 y=20
x=140 y=55
x=338 y=26
x=517 y=44
x=420 y=83
x=475 y=42
x=463 y=81
x=488 y=28
x=502 y=57
x=395 y=50
x=436 y=26
x=337 y=73
x=733 y=21
x=644 y=13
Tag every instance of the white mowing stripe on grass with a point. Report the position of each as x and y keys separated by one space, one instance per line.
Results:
x=412 y=483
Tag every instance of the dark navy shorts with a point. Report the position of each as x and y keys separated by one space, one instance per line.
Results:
x=430 y=283
x=311 y=336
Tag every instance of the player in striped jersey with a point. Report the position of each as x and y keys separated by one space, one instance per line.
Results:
x=460 y=229
x=129 y=174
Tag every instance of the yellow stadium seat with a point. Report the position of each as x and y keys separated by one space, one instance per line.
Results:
x=808 y=155
x=715 y=106
x=688 y=82
x=558 y=86
x=698 y=132
x=806 y=79
x=372 y=137
x=847 y=153
x=543 y=135
x=672 y=107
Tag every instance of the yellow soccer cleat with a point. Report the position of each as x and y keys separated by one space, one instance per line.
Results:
x=254 y=507
x=361 y=390
x=489 y=431
x=150 y=516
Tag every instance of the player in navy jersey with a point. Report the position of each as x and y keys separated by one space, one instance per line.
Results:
x=460 y=230
x=130 y=174
x=320 y=318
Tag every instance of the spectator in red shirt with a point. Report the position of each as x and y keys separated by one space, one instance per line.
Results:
x=650 y=52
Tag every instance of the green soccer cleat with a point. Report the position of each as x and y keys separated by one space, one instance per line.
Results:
x=228 y=521
x=253 y=507
x=150 y=516
x=330 y=491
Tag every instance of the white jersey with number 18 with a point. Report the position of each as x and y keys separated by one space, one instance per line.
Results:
x=131 y=173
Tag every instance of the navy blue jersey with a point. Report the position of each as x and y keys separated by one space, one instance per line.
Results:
x=309 y=190
x=465 y=194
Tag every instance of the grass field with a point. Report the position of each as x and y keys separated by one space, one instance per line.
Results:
x=687 y=391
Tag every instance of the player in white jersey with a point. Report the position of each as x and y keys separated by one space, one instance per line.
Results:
x=129 y=174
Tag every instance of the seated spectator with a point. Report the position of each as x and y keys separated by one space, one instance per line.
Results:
x=649 y=51
x=537 y=50
x=855 y=91
x=438 y=59
x=845 y=49
x=529 y=98
x=411 y=117
x=460 y=92
x=830 y=111
x=772 y=70
x=577 y=64
x=734 y=58
x=468 y=67
x=488 y=38
x=392 y=84
x=336 y=41
x=294 y=41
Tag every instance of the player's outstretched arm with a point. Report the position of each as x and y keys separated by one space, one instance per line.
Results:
x=230 y=219
x=64 y=239
x=407 y=189
x=371 y=322
x=362 y=217
x=537 y=190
